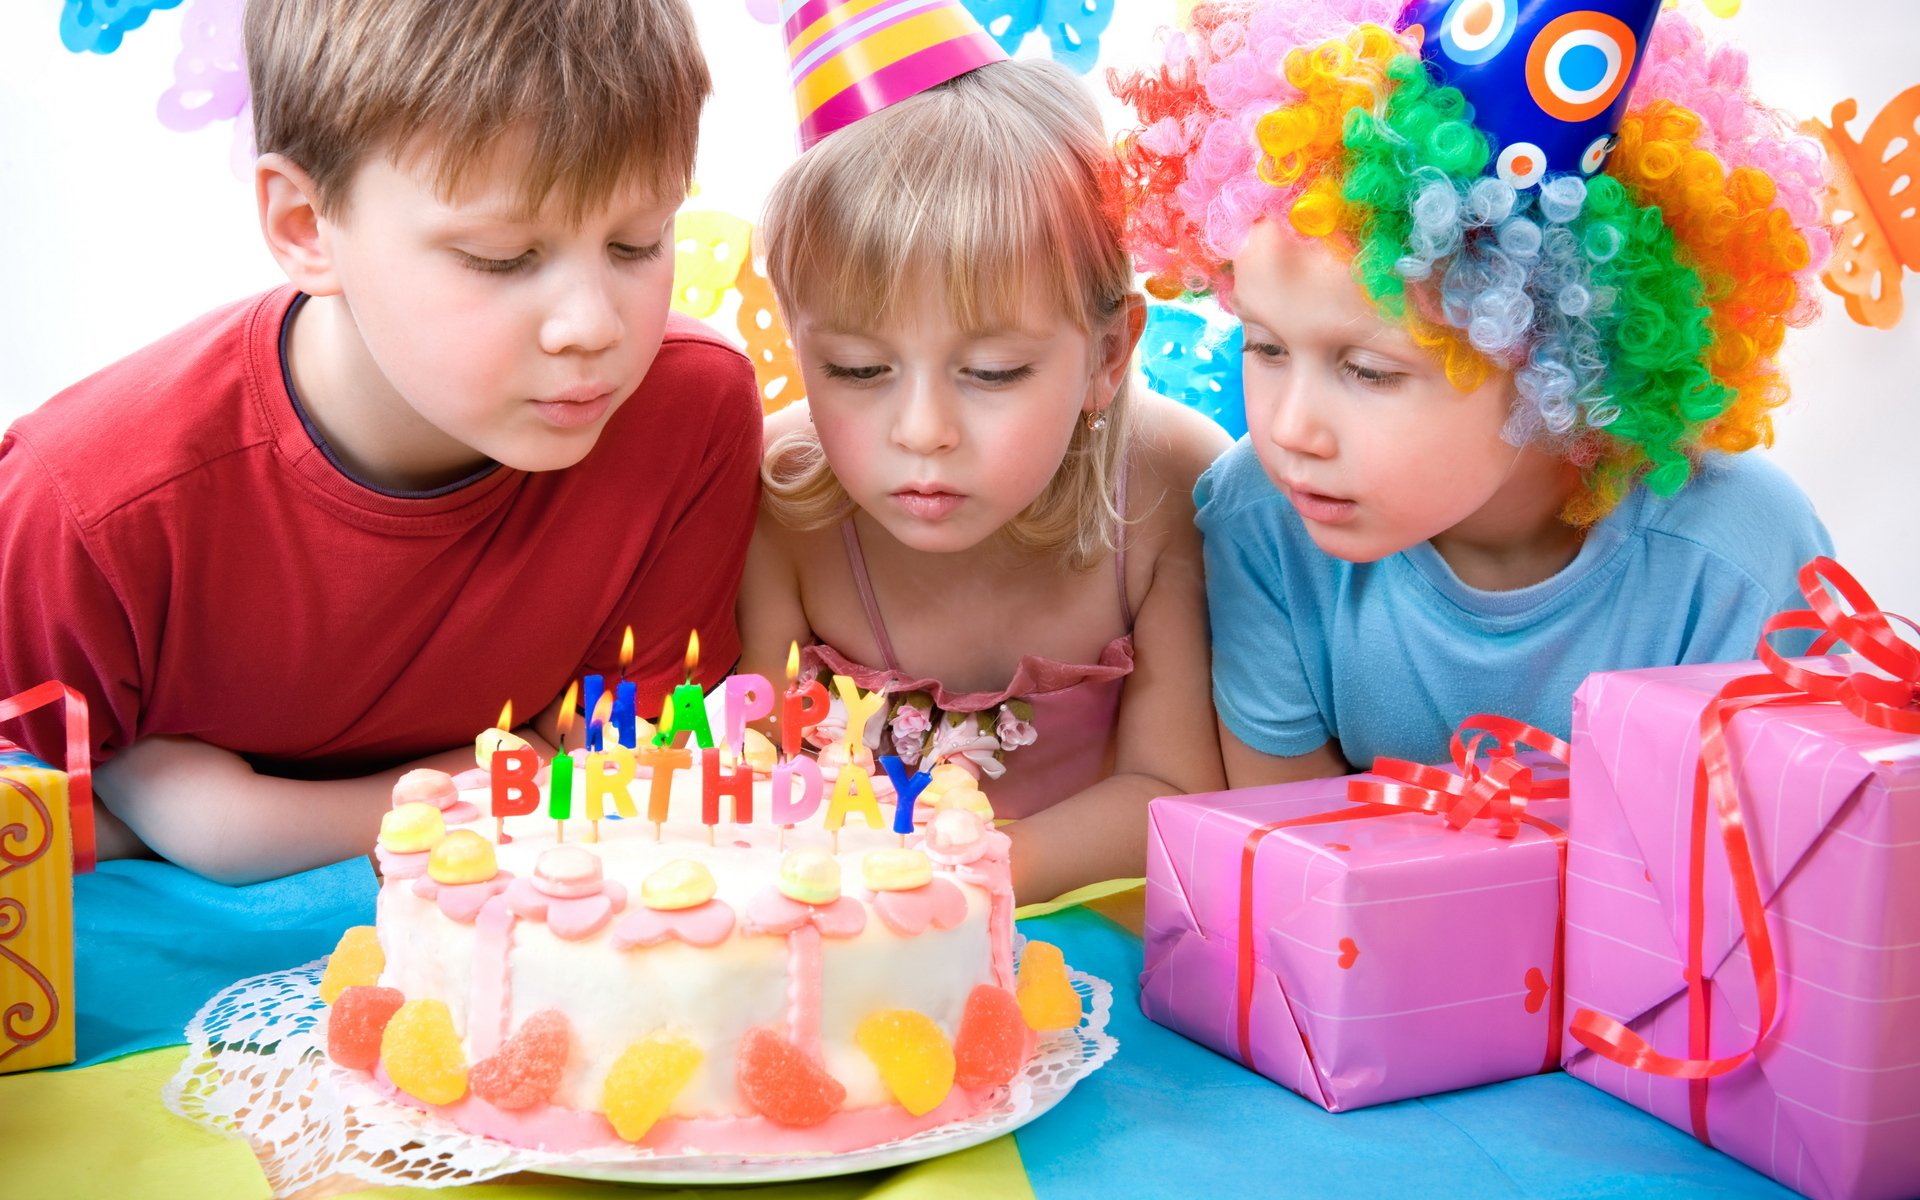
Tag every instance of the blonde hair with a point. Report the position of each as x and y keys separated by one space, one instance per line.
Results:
x=993 y=182
x=609 y=91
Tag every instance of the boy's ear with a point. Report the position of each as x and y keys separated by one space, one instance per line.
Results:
x=290 y=220
x=1117 y=344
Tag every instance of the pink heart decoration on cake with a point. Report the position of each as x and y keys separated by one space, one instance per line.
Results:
x=937 y=903
x=461 y=902
x=773 y=912
x=702 y=925
x=570 y=917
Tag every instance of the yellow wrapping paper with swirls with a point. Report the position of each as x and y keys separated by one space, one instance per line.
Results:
x=36 y=914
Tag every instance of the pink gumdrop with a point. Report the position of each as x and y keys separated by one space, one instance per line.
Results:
x=427 y=787
x=355 y=1022
x=567 y=872
x=527 y=1067
x=783 y=1084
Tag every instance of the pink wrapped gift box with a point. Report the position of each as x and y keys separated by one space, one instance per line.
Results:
x=1391 y=956
x=1830 y=1102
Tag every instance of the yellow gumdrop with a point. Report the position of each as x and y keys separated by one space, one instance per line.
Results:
x=422 y=1054
x=708 y=248
x=356 y=962
x=913 y=1056
x=811 y=876
x=491 y=741
x=645 y=1079
x=1047 y=998
x=896 y=870
x=463 y=856
x=760 y=754
x=411 y=828
x=682 y=883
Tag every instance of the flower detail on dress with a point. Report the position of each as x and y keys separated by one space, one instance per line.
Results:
x=1014 y=725
x=910 y=724
x=965 y=737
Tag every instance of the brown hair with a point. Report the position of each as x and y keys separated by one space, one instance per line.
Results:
x=608 y=91
x=993 y=184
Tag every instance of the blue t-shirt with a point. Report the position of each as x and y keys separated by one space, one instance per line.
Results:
x=1386 y=658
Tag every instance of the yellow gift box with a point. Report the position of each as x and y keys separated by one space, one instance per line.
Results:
x=36 y=914
x=46 y=834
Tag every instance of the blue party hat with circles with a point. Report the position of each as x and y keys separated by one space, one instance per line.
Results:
x=1548 y=79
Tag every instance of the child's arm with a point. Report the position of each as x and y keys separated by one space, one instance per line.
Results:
x=1247 y=767
x=209 y=811
x=1166 y=737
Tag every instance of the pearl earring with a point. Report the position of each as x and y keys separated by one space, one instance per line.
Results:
x=1096 y=421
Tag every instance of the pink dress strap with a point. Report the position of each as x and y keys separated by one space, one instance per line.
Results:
x=857 y=562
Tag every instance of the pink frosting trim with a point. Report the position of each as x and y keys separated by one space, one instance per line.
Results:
x=570 y=917
x=492 y=977
x=461 y=901
x=938 y=903
x=706 y=924
x=564 y=1130
x=394 y=865
x=774 y=912
x=804 y=966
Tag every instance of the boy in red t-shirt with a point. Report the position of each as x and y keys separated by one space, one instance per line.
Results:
x=323 y=535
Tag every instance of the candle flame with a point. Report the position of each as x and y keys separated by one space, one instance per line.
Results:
x=793 y=662
x=626 y=650
x=506 y=717
x=666 y=714
x=602 y=709
x=567 y=704
x=693 y=651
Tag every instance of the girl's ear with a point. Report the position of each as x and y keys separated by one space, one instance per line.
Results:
x=1115 y=351
x=297 y=235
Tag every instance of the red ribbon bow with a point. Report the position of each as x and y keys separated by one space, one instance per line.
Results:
x=1887 y=703
x=1496 y=788
x=79 y=760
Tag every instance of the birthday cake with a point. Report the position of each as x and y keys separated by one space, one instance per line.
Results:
x=569 y=971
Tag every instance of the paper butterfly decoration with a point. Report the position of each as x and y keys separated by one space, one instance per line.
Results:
x=1072 y=27
x=1873 y=200
x=98 y=25
x=1194 y=361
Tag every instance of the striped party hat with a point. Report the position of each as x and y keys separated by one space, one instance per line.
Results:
x=849 y=58
x=1548 y=79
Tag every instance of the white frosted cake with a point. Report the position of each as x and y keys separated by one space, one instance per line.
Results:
x=691 y=988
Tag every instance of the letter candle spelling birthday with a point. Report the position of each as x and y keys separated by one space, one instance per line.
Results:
x=608 y=772
x=560 y=776
x=804 y=705
x=513 y=772
x=624 y=714
x=687 y=709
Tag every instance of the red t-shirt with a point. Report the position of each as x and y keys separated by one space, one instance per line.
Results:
x=178 y=548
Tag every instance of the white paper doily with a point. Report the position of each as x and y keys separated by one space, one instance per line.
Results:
x=256 y=1068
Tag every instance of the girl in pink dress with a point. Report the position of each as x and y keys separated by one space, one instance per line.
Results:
x=972 y=512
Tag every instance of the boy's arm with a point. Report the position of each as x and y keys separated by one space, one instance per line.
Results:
x=1247 y=767
x=208 y=810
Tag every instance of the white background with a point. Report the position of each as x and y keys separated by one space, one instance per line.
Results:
x=115 y=229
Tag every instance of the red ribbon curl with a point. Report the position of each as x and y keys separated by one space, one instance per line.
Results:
x=1891 y=703
x=79 y=760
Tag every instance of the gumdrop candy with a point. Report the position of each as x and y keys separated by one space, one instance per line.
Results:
x=422 y=1054
x=526 y=1069
x=645 y=1079
x=994 y=1041
x=1047 y=998
x=356 y=962
x=915 y=1061
x=783 y=1084
x=359 y=1017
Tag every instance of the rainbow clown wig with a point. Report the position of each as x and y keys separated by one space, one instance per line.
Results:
x=1639 y=308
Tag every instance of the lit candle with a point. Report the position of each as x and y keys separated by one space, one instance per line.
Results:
x=906 y=789
x=749 y=697
x=689 y=704
x=608 y=773
x=596 y=686
x=512 y=771
x=804 y=705
x=715 y=782
x=560 y=771
x=663 y=761
x=860 y=708
x=623 y=701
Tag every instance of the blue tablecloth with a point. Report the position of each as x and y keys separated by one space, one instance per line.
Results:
x=1165 y=1118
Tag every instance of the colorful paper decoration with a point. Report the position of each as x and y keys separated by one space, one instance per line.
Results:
x=1879 y=232
x=210 y=75
x=98 y=25
x=768 y=345
x=708 y=249
x=1188 y=358
x=1072 y=27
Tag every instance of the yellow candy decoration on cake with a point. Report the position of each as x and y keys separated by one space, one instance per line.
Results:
x=810 y=876
x=422 y=1053
x=356 y=962
x=896 y=870
x=463 y=856
x=644 y=1080
x=682 y=883
x=411 y=828
x=914 y=1058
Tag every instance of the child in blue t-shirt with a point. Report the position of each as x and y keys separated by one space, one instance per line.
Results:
x=1500 y=362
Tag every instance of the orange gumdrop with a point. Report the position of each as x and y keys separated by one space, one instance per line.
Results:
x=784 y=1085
x=994 y=1041
x=1047 y=999
x=356 y=962
x=526 y=1069
x=354 y=1026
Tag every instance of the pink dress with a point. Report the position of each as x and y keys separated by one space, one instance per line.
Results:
x=1074 y=707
